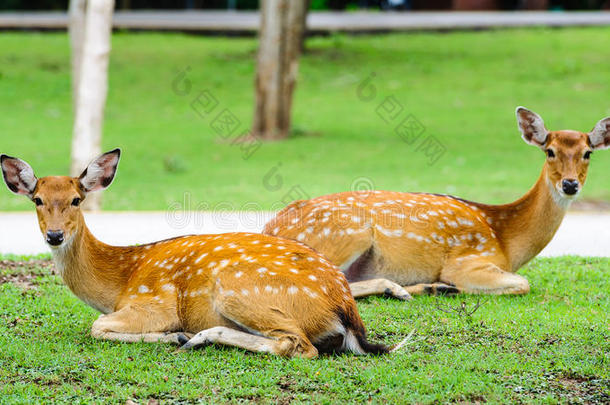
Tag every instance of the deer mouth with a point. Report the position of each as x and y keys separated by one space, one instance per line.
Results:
x=56 y=242
x=571 y=195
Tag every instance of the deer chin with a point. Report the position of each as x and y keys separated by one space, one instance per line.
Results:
x=61 y=254
x=559 y=196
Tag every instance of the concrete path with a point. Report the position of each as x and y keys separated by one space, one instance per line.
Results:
x=584 y=234
x=317 y=22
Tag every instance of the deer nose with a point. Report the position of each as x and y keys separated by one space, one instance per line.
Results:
x=569 y=186
x=55 y=238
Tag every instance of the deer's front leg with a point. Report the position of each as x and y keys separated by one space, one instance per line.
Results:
x=431 y=289
x=139 y=324
x=480 y=277
x=378 y=286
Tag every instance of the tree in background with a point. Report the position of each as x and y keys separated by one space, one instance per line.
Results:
x=90 y=32
x=282 y=27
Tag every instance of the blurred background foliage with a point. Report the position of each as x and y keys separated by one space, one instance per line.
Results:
x=463 y=87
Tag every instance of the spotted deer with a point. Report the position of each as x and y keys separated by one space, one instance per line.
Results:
x=432 y=243
x=256 y=292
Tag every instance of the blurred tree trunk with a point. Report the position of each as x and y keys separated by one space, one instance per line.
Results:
x=304 y=34
x=282 y=27
x=90 y=39
x=76 y=28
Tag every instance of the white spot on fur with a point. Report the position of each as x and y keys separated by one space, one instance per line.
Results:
x=464 y=221
x=312 y=294
x=389 y=232
x=200 y=258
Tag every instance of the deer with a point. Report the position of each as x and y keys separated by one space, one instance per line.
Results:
x=440 y=244
x=252 y=291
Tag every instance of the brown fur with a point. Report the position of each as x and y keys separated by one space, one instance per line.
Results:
x=248 y=290
x=437 y=243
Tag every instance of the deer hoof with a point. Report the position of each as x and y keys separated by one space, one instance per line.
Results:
x=182 y=339
x=446 y=290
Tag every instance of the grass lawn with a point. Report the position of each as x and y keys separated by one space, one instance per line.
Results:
x=462 y=87
x=551 y=346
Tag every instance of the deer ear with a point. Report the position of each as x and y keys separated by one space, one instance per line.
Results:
x=18 y=175
x=100 y=173
x=599 y=137
x=531 y=127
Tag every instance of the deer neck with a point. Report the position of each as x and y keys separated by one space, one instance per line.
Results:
x=92 y=269
x=527 y=225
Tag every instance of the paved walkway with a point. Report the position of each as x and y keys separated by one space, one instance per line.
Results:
x=584 y=234
x=248 y=22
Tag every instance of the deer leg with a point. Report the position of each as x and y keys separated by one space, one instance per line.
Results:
x=231 y=337
x=138 y=324
x=484 y=278
x=431 y=289
x=379 y=286
x=274 y=332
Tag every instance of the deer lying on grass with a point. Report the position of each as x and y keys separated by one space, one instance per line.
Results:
x=252 y=291
x=443 y=244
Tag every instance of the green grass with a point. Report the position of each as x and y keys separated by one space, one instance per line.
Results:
x=550 y=346
x=463 y=87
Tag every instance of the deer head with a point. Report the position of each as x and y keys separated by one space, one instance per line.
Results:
x=568 y=152
x=58 y=198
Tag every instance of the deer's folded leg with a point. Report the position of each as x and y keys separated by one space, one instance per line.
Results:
x=379 y=286
x=479 y=277
x=432 y=289
x=231 y=337
x=137 y=324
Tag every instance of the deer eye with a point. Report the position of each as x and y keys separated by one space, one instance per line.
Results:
x=76 y=202
x=37 y=201
x=587 y=155
x=550 y=153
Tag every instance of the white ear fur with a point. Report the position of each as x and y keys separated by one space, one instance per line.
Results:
x=100 y=172
x=599 y=137
x=532 y=127
x=18 y=175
